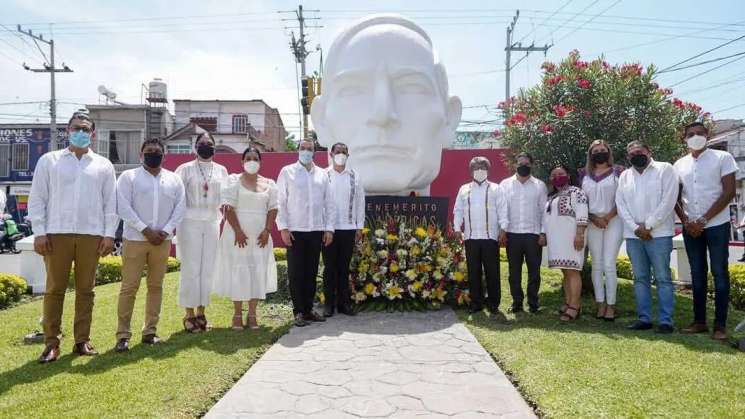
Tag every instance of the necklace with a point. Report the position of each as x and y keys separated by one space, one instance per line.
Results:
x=206 y=185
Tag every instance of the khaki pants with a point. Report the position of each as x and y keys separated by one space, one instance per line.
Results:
x=66 y=249
x=135 y=256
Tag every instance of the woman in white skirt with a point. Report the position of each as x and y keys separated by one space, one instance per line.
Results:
x=605 y=231
x=564 y=223
x=246 y=269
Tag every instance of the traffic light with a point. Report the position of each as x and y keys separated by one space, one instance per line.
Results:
x=309 y=92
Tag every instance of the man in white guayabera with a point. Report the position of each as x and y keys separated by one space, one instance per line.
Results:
x=386 y=96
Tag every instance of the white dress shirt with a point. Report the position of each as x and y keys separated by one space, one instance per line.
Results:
x=3 y=201
x=199 y=207
x=144 y=200
x=648 y=198
x=601 y=193
x=349 y=199
x=73 y=196
x=481 y=210
x=702 y=183
x=525 y=204
x=306 y=201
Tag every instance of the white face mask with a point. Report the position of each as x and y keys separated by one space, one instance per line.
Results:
x=340 y=159
x=480 y=175
x=305 y=156
x=697 y=142
x=251 y=167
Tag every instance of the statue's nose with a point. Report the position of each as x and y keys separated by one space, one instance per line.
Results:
x=384 y=113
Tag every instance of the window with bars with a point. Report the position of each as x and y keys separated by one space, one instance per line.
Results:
x=4 y=160
x=19 y=159
x=240 y=124
x=178 y=149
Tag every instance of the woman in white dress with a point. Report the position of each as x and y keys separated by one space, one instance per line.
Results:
x=247 y=270
x=605 y=231
x=564 y=222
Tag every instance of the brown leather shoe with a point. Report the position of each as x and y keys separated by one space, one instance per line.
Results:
x=695 y=328
x=719 y=334
x=312 y=316
x=84 y=348
x=50 y=354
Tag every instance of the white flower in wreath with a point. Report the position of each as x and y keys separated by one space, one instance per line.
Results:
x=383 y=270
x=438 y=275
x=426 y=294
x=359 y=297
x=383 y=254
x=377 y=277
x=442 y=261
x=411 y=274
x=379 y=233
x=401 y=253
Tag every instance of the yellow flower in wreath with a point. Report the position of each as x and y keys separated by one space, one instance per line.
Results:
x=458 y=276
x=359 y=296
x=439 y=294
x=416 y=286
x=393 y=267
x=411 y=274
x=420 y=232
x=369 y=288
x=393 y=292
x=391 y=237
x=363 y=267
x=415 y=251
x=365 y=230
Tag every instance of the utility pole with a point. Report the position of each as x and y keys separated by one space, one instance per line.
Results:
x=51 y=69
x=509 y=47
x=300 y=51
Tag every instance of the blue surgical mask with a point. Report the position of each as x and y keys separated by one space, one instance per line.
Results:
x=80 y=139
x=305 y=156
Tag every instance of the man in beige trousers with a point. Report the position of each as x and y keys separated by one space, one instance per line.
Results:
x=151 y=202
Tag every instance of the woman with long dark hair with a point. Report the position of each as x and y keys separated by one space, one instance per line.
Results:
x=564 y=223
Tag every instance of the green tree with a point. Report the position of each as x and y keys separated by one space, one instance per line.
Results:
x=579 y=101
x=290 y=143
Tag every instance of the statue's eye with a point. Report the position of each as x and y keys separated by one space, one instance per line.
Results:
x=412 y=88
x=351 y=90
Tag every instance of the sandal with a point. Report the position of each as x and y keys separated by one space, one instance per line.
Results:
x=237 y=322
x=566 y=317
x=563 y=308
x=251 y=322
x=190 y=325
x=201 y=321
x=602 y=308
x=613 y=316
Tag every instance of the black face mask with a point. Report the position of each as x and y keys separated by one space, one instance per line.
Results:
x=205 y=151
x=153 y=160
x=523 y=170
x=601 y=157
x=639 y=160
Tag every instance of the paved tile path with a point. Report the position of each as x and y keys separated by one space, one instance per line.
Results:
x=399 y=365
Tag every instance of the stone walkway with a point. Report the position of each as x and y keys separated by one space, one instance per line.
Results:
x=398 y=365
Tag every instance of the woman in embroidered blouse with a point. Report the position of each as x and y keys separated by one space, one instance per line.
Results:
x=564 y=222
x=605 y=231
x=246 y=270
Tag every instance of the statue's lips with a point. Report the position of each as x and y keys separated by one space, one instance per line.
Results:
x=387 y=151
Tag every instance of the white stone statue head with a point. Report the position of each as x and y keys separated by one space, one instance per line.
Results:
x=385 y=95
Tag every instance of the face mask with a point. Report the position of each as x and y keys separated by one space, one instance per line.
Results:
x=639 y=160
x=305 y=156
x=523 y=170
x=340 y=159
x=251 y=167
x=480 y=175
x=560 y=181
x=697 y=142
x=152 y=160
x=601 y=157
x=80 y=139
x=205 y=151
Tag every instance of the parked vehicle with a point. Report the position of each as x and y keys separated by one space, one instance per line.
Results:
x=9 y=235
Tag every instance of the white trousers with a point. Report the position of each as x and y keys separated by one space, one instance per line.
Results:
x=604 y=245
x=196 y=248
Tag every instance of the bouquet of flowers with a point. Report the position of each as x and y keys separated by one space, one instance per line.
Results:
x=399 y=267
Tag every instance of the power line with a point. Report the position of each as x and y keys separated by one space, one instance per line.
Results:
x=701 y=63
x=718 y=84
x=700 y=54
x=571 y=19
x=730 y=108
x=589 y=20
x=708 y=71
x=546 y=19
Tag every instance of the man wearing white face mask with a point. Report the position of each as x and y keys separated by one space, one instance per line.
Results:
x=306 y=222
x=349 y=198
x=480 y=213
x=707 y=186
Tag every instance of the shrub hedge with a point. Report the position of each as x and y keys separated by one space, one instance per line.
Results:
x=110 y=270
x=737 y=286
x=280 y=254
x=282 y=295
x=12 y=287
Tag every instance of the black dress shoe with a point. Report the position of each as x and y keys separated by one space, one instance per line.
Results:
x=328 y=311
x=346 y=310
x=474 y=310
x=664 y=329
x=84 y=349
x=312 y=316
x=300 y=320
x=534 y=309
x=639 y=325
x=122 y=345
x=151 y=340
x=50 y=354
x=516 y=309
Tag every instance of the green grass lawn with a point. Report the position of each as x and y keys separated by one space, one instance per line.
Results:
x=592 y=368
x=181 y=378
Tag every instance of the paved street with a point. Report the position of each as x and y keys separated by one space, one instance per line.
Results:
x=401 y=365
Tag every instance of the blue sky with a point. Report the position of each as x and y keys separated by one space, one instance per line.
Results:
x=230 y=49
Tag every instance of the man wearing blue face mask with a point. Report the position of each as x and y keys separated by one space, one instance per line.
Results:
x=72 y=206
x=306 y=217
